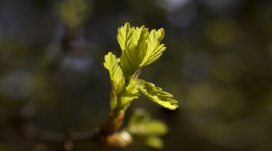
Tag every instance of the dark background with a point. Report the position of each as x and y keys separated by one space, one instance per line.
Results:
x=218 y=65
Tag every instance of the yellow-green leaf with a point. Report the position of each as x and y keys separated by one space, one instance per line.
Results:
x=157 y=95
x=139 y=47
x=154 y=48
x=131 y=92
x=116 y=74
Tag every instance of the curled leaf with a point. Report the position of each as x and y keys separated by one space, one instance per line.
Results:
x=157 y=95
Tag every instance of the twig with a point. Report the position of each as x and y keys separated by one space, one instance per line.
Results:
x=32 y=132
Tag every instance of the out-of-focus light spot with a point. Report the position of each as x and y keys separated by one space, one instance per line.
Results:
x=77 y=63
x=197 y=65
x=172 y=5
x=179 y=12
x=202 y=97
x=222 y=6
x=182 y=17
x=222 y=32
x=228 y=68
x=17 y=84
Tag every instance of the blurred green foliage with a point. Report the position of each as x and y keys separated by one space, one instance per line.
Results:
x=146 y=130
x=74 y=12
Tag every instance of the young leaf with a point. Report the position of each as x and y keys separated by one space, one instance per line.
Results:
x=131 y=92
x=130 y=39
x=116 y=74
x=154 y=48
x=156 y=94
x=139 y=47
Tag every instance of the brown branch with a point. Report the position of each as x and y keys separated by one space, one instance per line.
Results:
x=32 y=132
x=106 y=135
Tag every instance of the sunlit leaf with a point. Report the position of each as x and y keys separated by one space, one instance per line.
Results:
x=131 y=92
x=156 y=94
x=131 y=41
x=116 y=75
x=154 y=48
x=139 y=47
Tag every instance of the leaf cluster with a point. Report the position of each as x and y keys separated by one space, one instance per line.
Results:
x=139 y=48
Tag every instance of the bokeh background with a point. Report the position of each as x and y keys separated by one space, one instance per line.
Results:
x=218 y=65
